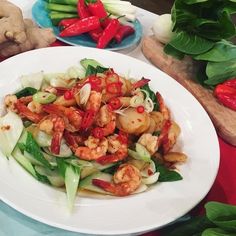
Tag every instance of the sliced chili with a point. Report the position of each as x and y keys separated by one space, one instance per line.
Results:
x=68 y=95
x=140 y=109
x=114 y=103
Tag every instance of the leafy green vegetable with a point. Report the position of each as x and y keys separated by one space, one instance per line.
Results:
x=168 y=49
x=222 y=51
x=33 y=148
x=216 y=232
x=94 y=70
x=26 y=92
x=194 y=226
x=166 y=175
x=190 y=44
x=222 y=215
x=151 y=95
x=218 y=72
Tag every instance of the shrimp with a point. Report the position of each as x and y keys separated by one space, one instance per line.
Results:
x=24 y=111
x=163 y=109
x=73 y=140
x=71 y=115
x=118 y=151
x=54 y=125
x=94 y=101
x=125 y=181
x=149 y=142
x=106 y=119
x=94 y=149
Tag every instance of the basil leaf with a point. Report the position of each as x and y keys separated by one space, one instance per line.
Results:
x=218 y=72
x=33 y=148
x=222 y=51
x=222 y=215
x=94 y=70
x=166 y=175
x=192 y=227
x=26 y=92
x=216 y=232
x=190 y=44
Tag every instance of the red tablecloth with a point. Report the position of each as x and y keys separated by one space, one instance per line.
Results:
x=224 y=187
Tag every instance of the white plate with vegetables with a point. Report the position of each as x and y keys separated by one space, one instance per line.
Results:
x=99 y=125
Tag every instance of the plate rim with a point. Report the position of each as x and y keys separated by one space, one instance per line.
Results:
x=140 y=229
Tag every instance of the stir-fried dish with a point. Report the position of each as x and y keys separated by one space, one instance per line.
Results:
x=91 y=128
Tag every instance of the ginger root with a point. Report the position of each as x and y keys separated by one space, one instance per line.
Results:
x=19 y=35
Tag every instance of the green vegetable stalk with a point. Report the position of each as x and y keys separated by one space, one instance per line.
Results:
x=202 y=30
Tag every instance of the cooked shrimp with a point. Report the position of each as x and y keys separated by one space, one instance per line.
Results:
x=106 y=119
x=73 y=140
x=163 y=109
x=125 y=181
x=26 y=100
x=65 y=102
x=54 y=125
x=24 y=111
x=35 y=107
x=94 y=149
x=149 y=142
x=118 y=151
x=94 y=101
x=71 y=115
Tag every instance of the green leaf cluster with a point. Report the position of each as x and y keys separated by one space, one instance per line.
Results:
x=220 y=220
x=202 y=30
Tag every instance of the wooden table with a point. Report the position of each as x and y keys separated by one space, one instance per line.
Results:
x=155 y=6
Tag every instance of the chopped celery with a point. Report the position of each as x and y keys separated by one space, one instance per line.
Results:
x=11 y=127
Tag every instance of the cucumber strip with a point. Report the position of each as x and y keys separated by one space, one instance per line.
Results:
x=11 y=127
x=61 y=7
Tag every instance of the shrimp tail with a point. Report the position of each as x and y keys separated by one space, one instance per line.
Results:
x=56 y=142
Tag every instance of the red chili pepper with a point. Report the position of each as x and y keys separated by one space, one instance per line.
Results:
x=88 y=119
x=108 y=33
x=140 y=109
x=123 y=32
x=112 y=78
x=82 y=9
x=97 y=9
x=96 y=34
x=66 y=22
x=227 y=100
x=230 y=83
x=81 y=26
x=68 y=95
x=114 y=88
x=114 y=103
x=140 y=83
x=222 y=88
x=105 y=22
x=98 y=133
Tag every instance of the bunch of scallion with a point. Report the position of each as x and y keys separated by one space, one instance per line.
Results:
x=64 y=9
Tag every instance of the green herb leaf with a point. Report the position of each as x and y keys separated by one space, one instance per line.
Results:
x=26 y=92
x=190 y=44
x=94 y=70
x=166 y=175
x=33 y=148
x=222 y=215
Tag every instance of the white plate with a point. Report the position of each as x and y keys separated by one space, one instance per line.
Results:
x=163 y=203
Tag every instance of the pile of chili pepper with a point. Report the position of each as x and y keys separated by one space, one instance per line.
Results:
x=94 y=20
x=226 y=93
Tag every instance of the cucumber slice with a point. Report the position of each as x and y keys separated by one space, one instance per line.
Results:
x=87 y=182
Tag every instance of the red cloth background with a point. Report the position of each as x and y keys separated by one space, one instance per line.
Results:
x=224 y=187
